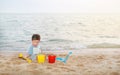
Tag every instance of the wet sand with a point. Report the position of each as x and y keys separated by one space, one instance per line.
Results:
x=82 y=62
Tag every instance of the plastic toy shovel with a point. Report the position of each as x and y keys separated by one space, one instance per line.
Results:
x=27 y=59
x=64 y=59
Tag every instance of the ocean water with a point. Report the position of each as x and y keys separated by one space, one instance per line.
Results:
x=59 y=31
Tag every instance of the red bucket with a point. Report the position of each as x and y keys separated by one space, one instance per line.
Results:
x=51 y=58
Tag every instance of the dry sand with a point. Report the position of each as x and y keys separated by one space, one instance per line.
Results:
x=82 y=62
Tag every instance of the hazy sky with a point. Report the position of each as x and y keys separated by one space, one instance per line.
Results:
x=58 y=6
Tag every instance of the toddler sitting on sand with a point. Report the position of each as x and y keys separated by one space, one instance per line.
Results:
x=34 y=48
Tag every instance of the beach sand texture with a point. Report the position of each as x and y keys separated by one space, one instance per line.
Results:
x=102 y=63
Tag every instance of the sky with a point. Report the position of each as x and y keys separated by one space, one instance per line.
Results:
x=59 y=6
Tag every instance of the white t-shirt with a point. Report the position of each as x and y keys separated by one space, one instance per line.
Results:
x=34 y=50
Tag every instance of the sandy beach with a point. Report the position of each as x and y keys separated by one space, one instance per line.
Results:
x=82 y=62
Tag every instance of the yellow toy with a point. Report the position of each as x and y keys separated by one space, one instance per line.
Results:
x=27 y=59
x=41 y=58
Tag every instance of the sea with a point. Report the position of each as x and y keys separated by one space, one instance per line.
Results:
x=59 y=31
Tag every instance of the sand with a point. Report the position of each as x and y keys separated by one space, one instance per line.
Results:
x=82 y=62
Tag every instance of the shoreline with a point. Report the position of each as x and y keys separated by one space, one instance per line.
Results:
x=81 y=51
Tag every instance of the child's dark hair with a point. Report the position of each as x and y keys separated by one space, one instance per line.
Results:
x=36 y=37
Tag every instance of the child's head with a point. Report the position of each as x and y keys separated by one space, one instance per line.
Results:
x=35 y=39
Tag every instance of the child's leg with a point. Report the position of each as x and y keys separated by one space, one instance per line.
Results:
x=33 y=57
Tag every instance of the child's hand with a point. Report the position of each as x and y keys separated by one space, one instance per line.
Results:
x=27 y=56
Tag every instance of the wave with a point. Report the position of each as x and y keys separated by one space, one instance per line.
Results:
x=104 y=45
x=59 y=40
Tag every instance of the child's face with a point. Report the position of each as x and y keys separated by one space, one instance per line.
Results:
x=35 y=42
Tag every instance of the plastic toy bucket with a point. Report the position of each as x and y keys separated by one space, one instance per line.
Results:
x=51 y=58
x=41 y=58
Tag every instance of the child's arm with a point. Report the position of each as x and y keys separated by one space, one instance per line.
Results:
x=40 y=51
x=29 y=52
x=28 y=55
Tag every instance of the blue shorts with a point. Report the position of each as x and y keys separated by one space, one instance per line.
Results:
x=33 y=57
